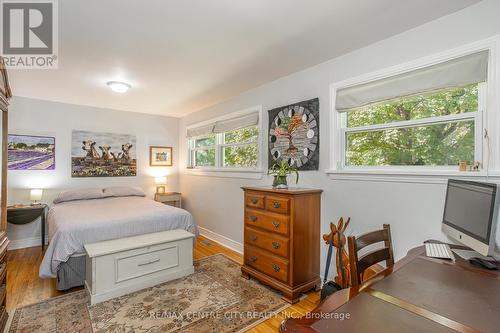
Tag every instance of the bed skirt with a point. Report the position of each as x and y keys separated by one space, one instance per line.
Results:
x=71 y=273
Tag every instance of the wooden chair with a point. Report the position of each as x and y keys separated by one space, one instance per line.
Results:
x=359 y=265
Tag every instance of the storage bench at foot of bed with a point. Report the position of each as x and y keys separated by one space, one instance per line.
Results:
x=121 y=266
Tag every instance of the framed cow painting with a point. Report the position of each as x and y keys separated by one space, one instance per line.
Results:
x=95 y=154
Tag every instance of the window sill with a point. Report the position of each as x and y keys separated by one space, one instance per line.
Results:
x=426 y=176
x=226 y=173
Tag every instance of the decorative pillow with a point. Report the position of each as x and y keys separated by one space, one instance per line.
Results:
x=123 y=191
x=79 y=194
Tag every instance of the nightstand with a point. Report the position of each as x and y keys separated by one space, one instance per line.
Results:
x=23 y=214
x=169 y=198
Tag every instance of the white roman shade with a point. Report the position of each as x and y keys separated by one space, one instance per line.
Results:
x=247 y=120
x=232 y=124
x=200 y=131
x=457 y=72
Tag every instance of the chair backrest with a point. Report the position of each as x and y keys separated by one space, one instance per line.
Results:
x=359 y=265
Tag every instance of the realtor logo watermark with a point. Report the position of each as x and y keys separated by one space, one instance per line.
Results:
x=29 y=34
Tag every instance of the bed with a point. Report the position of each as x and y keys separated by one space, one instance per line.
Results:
x=77 y=222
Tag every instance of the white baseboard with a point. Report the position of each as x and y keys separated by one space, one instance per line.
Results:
x=223 y=240
x=25 y=242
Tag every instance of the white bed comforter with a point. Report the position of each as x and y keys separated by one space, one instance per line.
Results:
x=75 y=223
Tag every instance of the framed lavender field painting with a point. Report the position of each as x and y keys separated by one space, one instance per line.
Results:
x=31 y=152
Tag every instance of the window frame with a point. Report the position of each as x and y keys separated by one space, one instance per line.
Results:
x=219 y=169
x=193 y=149
x=486 y=122
x=223 y=145
x=476 y=116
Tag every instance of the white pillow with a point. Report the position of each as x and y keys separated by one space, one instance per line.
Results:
x=123 y=191
x=79 y=194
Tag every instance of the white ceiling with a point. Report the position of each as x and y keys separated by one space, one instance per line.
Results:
x=183 y=55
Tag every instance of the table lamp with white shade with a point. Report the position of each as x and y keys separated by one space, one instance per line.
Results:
x=36 y=196
x=161 y=183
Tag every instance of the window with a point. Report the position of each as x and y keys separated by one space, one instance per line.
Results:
x=226 y=144
x=431 y=117
x=240 y=147
x=435 y=129
x=204 y=151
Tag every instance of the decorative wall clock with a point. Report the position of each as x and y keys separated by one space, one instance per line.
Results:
x=294 y=135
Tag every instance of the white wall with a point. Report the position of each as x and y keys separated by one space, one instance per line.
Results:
x=37 y=117
x=414 y=210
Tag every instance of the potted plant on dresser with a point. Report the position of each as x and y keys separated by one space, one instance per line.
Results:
x=280 y=170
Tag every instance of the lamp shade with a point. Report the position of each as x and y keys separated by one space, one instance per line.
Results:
x=161 y=180
x=36 y=194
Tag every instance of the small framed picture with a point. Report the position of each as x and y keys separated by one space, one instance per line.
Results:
x=160 y=156
x=160 y=189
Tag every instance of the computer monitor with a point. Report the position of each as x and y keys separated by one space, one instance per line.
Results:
x=470 y=214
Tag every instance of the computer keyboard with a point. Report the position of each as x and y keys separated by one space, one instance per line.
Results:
x=435 y=250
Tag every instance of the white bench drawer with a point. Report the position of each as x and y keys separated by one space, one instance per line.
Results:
x=121 y=266
x=137 y=265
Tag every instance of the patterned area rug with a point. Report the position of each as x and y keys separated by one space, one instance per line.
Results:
x=213 y=299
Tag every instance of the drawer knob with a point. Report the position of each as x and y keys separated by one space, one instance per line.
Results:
x=252 y=259
x=253 y=218
x=276 y=224
x=276 y=204
x=253 y=238
x=276 y=268
x=254 y=200
x=276 y=245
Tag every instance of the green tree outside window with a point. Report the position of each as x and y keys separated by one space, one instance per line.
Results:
x=442 y=144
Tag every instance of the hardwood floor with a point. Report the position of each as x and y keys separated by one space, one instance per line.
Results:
x=25 y=287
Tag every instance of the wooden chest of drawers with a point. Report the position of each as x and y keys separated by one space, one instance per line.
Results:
x=5 y=94
x=282 y=239
x=4 y=242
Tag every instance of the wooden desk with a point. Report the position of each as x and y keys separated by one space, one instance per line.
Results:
x=418 y=294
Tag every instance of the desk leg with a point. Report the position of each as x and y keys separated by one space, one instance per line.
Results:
x=43 y=228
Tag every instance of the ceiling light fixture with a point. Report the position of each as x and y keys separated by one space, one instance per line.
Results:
x=119 y=87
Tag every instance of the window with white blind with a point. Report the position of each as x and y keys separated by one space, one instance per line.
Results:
x=429 y=117
x=231 y=143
